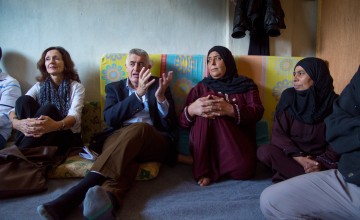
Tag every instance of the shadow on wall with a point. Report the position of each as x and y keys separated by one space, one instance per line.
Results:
x=17 y=65
x=92 y=90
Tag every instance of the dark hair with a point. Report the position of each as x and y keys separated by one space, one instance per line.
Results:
x=69 y=67
x=0 y=53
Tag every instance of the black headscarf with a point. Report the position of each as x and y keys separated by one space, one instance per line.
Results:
x=314 y=104
x=231 y=82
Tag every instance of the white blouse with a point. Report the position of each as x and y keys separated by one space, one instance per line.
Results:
x=77 y=96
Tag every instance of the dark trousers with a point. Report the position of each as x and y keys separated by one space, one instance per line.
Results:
x=283 y=166
x=28 y=107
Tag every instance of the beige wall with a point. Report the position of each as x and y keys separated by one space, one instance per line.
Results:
x=338 y=39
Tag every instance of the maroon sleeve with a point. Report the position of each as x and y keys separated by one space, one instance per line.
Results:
x=251 y=108
x=329 y=158
x=185 y=120
x=280 y=136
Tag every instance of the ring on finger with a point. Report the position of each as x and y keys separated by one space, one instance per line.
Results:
x=143 y=85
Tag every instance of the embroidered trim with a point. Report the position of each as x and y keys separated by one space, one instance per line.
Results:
x=227 y=98
x=238 y=114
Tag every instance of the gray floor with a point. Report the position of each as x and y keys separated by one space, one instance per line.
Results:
x=172 y=195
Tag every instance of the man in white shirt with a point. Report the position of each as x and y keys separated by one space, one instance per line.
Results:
x=10 y=91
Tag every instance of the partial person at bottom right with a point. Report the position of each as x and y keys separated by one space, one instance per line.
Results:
x=329 y=194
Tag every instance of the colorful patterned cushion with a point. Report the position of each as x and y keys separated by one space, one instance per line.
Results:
x=72 y=167
x=148 y=171
x=78 y=167
x=90 y=120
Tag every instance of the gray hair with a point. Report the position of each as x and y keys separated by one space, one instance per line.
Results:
x=138 y=52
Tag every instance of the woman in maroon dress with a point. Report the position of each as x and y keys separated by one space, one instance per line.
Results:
x=298 y=142
x=221 y=112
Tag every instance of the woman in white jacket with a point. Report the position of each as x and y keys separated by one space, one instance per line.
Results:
x=50 y=112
